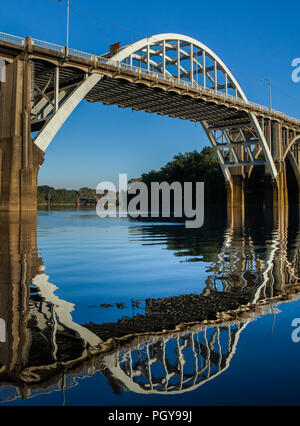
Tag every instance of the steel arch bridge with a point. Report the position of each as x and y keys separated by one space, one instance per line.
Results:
x=177 y=58
x=168 y=74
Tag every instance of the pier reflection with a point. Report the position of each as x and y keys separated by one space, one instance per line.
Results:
x=176 y=345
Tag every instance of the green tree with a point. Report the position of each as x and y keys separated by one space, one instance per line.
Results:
x=193 y=167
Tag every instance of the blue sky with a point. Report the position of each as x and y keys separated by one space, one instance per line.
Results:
x=255 y=39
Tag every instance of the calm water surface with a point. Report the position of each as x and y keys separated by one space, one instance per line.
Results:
x=122 y=312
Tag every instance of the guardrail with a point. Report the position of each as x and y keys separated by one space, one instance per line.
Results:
x=57 y=48
x=46 y=45
x=12 y=39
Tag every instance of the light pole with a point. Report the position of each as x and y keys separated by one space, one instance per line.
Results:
x=68 y=18
x=270 y=90
x=270 y=123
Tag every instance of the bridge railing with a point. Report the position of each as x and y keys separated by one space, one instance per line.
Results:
x=20 y=41
x=12 y=39
x=46 y=45
x=81 y=54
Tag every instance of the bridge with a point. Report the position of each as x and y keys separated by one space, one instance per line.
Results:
x=167 y=74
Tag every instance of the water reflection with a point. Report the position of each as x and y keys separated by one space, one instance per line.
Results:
x=175 y=345
x=174 y=363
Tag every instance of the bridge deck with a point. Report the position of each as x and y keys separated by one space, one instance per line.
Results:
x=136 y=88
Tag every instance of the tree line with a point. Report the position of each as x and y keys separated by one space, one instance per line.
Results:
x=188 y=167
x=49 y=195
x=192 y=167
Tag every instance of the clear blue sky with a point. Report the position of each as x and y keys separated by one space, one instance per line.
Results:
x=255 y=39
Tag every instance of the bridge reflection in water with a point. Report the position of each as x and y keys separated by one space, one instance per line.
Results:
x=44 y=350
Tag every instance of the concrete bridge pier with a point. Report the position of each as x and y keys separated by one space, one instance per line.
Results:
x=20 y=158
x=236 y=200
x=276 y=190
x=280 y=194
x=275 y=195
x=280 y=189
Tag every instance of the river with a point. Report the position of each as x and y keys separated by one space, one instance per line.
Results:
x=123 y=312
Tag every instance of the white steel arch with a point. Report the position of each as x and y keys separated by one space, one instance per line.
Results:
x=296 y=139
x=189 y=54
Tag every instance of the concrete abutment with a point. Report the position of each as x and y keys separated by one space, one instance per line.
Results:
x=20 y=158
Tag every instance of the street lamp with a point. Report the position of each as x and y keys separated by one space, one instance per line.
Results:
x=270 y=90
x=68 y=18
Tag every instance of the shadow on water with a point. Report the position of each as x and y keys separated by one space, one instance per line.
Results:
x=177 y=343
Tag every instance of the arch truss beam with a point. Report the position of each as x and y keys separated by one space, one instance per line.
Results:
x=240 y=146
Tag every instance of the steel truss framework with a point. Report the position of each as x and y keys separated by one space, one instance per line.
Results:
x=238 y=142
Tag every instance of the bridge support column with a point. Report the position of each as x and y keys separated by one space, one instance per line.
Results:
x=280 y=190
x=20 y=158
x=276 y=193
x=236 y=200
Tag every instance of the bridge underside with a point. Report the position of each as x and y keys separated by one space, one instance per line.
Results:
x=136 y=95
x=155 y=100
